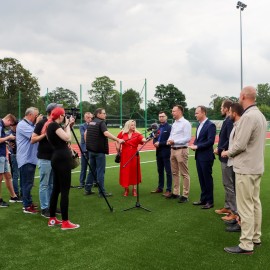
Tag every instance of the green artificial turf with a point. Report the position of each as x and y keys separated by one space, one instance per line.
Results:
x=171 y=236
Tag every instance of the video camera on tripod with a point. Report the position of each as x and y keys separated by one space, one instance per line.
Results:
x=72 y=112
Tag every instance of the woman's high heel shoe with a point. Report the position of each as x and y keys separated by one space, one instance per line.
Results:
x=126 y=192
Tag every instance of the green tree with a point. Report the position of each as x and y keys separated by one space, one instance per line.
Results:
x=265 y=109
x=263 y=94
x=131 y=103
x=14 y=78
x=63 y=96
x=102 y=91
x=167 y=97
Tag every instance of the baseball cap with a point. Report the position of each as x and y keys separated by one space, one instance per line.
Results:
x=52 y=106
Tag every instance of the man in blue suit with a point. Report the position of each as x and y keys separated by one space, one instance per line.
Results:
x=204 y=156
x=163 y=153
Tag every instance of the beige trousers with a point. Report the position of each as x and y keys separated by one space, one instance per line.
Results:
x=249 y=208
x=179 y=166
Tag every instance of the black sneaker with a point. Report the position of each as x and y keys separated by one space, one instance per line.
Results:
x=3 y=203
x=183 y=199
x=89 y=192
x=15 y=199
x=106 y=194
x=81 y=187
x=45 y=212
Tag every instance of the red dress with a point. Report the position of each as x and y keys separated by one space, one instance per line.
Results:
x=128 y=174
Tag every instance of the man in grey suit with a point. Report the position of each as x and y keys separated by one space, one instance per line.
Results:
x=248 y=164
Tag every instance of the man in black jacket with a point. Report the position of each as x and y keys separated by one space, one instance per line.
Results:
x=97 y=136
x=163 y=153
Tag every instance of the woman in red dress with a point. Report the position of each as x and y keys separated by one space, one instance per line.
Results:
x=131 y=173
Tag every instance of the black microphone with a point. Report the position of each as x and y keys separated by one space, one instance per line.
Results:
x=153 y=126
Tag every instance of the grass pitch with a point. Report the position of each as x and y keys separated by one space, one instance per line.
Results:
x=171 y=236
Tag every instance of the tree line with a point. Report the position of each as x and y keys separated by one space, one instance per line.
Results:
x=19 y=89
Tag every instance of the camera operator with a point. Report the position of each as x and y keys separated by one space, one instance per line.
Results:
x=27 y=156
x=97 y=136
x=7 y=121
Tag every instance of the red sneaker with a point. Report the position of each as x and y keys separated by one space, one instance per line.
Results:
x=67 y=225
x=54 y=221
x=30 y=210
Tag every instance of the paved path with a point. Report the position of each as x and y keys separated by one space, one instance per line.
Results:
x=149 y=146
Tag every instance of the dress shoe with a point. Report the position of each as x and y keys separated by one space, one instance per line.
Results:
x=183 y=199
x=106 y=194
x=89 y=192
x=229 y=217
x=158 y=190
x=207 y=206
x=233 y=228
x=238 y=250
x=166 y=194
x=230 y=222
x=126 y=192
x=199 y=203
x=257 y=244
x=223 y=211
x=172 y=196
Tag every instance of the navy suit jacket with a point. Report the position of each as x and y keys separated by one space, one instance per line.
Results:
x=224 y=136
x=205 y=142
x=163 y=135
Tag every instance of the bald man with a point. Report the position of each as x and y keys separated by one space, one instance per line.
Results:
x=247 y=152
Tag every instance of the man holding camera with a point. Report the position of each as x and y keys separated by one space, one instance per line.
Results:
x=44 y=154
x=27 y=156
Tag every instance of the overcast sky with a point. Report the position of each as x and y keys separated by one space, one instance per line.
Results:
x=194 y=45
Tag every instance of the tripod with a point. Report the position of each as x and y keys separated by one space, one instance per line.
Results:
x=137 y=204
x=91 y=170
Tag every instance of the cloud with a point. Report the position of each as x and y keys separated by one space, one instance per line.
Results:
x=194 y=46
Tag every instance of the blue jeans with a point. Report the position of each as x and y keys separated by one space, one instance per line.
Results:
x=46 y=182
x=27 y=174
x=15 y=174
x=97 y=163
x=84 y=166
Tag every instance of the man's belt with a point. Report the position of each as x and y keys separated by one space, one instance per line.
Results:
x=179 y=147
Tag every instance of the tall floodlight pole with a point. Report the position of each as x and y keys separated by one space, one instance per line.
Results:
x=241 y=6
x=145 y=105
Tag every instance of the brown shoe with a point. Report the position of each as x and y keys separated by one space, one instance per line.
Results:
x=229 y=217
x=167 y=194
x=223 y=211
x=158 y=190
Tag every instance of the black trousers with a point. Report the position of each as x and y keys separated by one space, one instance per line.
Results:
x=61 y=166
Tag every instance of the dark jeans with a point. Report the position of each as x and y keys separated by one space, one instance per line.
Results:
x=164 y=163
x=15 y=174
x=84 y=167
x=98 y=163
x=27 y=174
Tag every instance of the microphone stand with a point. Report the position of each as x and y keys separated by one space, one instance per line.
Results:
x=137 y=204
x=88 y=163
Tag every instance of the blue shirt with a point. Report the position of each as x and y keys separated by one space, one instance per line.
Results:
x=26 y=151
x=83 y=128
